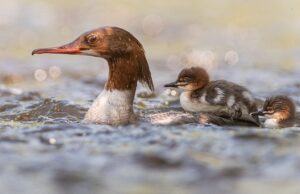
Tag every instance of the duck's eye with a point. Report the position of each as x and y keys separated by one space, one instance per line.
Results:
x=91 y=39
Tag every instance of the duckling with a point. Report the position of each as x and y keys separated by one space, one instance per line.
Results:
x=280 y=112
x=220 y=98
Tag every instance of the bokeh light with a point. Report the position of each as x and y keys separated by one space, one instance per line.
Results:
x=231 y=57
x=206 y=58
x=55 y=72
x=152 y=25
x=40 y=75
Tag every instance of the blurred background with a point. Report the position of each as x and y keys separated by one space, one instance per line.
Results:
x=227 y=34
x=45 y=149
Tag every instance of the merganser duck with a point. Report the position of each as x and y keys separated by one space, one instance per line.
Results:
x=280 y=112
x=220 y=99
x=127 y=65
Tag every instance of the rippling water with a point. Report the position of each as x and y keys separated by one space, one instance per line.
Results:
x=45 y=147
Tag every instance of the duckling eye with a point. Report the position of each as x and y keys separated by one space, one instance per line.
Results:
x=91 y=39
x=186 y=79
x=270 y=110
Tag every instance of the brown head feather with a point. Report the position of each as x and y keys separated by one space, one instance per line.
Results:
x=125 y=50
x=124 y=53
x=195 y=77
x=280 y=107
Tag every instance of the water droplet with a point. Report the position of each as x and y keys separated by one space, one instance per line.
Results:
x=52 y=141
x=173 y=93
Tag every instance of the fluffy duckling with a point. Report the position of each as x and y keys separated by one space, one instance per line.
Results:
x=219 y=98
x=280 y=112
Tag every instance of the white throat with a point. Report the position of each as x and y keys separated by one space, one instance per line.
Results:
x=112 y=107
x=199 y=105
x=271 y=123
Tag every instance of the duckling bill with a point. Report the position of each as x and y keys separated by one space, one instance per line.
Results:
x=218 y=98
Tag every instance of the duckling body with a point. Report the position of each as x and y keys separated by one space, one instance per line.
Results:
x=220 y=97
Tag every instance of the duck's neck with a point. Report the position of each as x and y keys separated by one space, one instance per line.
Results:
x=114 y=106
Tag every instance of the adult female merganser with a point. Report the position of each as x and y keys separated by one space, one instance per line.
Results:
x=220 y=99
x=280 y=112
x=127 y=65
